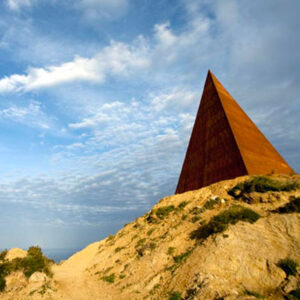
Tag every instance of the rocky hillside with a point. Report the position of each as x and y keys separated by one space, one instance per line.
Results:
x=236 y=239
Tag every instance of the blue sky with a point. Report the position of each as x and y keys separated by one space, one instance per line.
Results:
x=98 y=98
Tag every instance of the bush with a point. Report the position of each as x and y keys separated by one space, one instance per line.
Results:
x=290 y=207
x=195 y=219
x=33 y=262
x=211 y=203
x=262 y=184
x=295 y=294
x=140 y=242
x=164 y=211
x=220 y=222
x=171 y=250
x=288 y=265
x=255 y=294
x=150 y=231
x=3 y=254
x=118 y=249
x=110 y=278
x=183 y=256
x=175 y=296
x=2 y=284
x=183 y=204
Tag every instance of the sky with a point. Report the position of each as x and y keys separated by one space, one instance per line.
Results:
x=98 y=100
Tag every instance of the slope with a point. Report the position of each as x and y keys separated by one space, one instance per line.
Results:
x=182 y=250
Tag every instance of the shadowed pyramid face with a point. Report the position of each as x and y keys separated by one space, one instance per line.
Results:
x=225 y=143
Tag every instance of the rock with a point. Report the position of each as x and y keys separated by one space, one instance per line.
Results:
x=15 y=281
x=38 y=277
x=15 y=253
x=292 y=284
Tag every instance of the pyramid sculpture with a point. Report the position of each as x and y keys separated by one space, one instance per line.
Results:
x=225 y=143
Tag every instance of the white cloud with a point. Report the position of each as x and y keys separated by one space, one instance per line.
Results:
x=176 y=98
x=95 y=120
x=31 y=115
x=95 y=10
x=117 y=59
x=17 y=4
x=164 y=35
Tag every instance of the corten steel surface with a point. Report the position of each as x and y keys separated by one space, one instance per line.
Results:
x=225 y=143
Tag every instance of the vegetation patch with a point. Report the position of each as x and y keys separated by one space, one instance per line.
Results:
x=171 y=250
x=140 y=242
x=290 y=207
x=220 y=222
x=182 y=257
x=182 y=205
x=164 y=211
x=262 y=184
x=195 y=219
x=118 y=249
x=212 y=202
x=141 y=251
x=110 y=278
x=255 y=294
x=2 y=284
x=197 y=210
x=3 y=254
x=150 y=231
x=157 y=286
x=289 y=266
x=175 y=296
x=295 y=294
x=183 y=217
x=33 y=262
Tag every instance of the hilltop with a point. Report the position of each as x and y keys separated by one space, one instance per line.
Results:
x=235 y=239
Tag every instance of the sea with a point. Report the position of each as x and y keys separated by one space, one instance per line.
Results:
x=59 y=254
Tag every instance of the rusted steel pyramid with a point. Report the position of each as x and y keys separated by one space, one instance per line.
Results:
x=225 y=143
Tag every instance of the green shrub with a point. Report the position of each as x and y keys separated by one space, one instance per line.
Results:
x=152 y=246
x=110 y=237
x=171 y=250
x=33 y=262
x=256 y=295
x=211 y=203
x=183 y=256
x=3 y=254
x=164 y=211
x=110 y=278
x=183 y=217
x=150 y=218
x=197 y=210
x=118 y=249
x=220 y=222
x=2 y=283
x=183 y=204
x=289 y=266
x=295 y=294
x=150 y=231
x=175 y=296
x=195 y=219
x=140 y=242
x=290 y=207
x=262 y=184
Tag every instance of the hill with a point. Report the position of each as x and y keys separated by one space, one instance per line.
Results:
x=236 y=239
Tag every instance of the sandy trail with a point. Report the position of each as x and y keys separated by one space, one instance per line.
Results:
x=73 y=281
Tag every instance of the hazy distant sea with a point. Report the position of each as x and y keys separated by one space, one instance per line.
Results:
x=58 y=254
